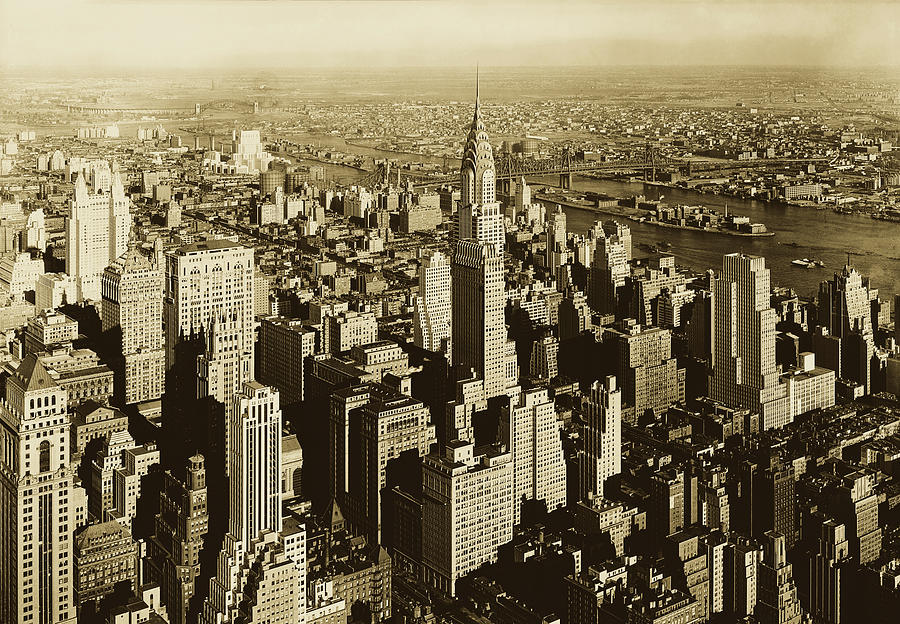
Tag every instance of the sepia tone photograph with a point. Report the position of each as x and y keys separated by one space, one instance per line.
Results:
x=449 y=312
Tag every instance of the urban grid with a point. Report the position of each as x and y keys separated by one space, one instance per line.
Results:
x=620 y=352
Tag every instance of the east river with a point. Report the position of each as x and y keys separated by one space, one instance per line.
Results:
x=819 y=234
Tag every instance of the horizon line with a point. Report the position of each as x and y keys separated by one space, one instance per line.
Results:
x=466 y=67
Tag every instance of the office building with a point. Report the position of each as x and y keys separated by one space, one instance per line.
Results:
x=255 y=473
x=173 y=552
x=284 y=345
x=777 y=601
x=467 y=511
x=647 y=286
x=845 y=310
x=667 y=502
x=36 y=516
x=480 y=216
x=557 y=253
x=544 y=362
x=478 y=320
x=97 y=233
x=53 y=290
x=742 y=559
x=574 y=315
x=743 y=336
x=602 y=453
x=116 y=475
x=341 y=332
x=48 y=329
x=829 y=575
x=530 y=430
x=211 y=283
x=609 y=270
x=648 y=374
x=131 y=313
x=431 y=311
x=19 y=273
x=262 y=565
x=209 y=301
x=105 y=557
x=371 y=426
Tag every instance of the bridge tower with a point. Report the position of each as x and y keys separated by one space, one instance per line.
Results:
x=651 y=159
x=565 y=175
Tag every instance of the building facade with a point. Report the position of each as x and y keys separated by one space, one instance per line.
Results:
x=132 y=301
x=97 y=232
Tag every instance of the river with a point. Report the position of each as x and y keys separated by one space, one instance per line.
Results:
x=819 y=234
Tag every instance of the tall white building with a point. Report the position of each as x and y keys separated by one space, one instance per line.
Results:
x=255 y=425
x=602 y=455
x=480 y=217
x=262 y=562
x=478 y=319
x=609 y=269
x=247 y=153
x=845 y=308
x=36 y=500
x=743 y=337
x=531 y=432
x=96 y=234
x=209 y=292
x=132 y=291
x=431 y=313
x=467 y=511
x=556 y=252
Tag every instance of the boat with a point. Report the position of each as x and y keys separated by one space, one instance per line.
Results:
x=806 y=263
x=819 y=264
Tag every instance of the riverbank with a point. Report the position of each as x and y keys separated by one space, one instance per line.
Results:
x=639 y=216
x=774 y=201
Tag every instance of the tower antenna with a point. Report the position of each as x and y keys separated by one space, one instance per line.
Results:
x=477 y=89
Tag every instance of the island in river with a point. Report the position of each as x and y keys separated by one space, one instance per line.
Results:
x=695 y=218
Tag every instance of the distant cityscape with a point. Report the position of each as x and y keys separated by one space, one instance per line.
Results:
x=555 y=360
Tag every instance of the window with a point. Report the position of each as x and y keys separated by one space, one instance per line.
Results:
x=44 y=456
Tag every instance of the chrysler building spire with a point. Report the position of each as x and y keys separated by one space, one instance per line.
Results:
x=477 y=171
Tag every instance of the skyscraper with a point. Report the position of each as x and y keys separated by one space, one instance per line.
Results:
x=828 y=575
x=386 y=425
x=132 y=290
x=743 y=336
x=602 y=454
x=209 y=294
x=479 y=216
x=467 y=511
x=648 y=373
x=174 y=550
x=556 y=253
x=609 y=268
x=845 y=309
x=531 y=432
x=36 y=520
x=96 y=234
x=210 y=281
x=255 y=496
x=777 y=601
x=254 y=504
x=431 y=314
x=479 y=324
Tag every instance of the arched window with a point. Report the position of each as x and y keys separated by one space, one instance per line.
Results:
x=31 y=403
x=44 y=456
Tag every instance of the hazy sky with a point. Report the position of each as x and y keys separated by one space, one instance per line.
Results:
x=309 y=33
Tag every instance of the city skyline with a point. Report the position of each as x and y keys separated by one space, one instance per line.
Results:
x=356 y=346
